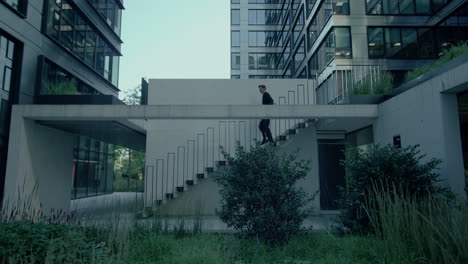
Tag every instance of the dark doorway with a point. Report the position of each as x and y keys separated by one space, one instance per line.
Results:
x=332 y=174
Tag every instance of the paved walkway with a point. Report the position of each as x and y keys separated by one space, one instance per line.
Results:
x=122 y=210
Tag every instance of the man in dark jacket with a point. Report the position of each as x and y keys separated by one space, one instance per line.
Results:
x=265 y=123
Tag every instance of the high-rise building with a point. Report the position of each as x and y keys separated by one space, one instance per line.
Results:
x=339 y=40
x=62 y=52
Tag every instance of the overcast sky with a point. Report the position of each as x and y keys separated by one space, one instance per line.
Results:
x=175 y=40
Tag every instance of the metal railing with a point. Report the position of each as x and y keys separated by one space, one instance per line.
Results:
x=180 y=169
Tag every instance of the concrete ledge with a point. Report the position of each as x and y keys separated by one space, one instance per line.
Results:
x=146 y=112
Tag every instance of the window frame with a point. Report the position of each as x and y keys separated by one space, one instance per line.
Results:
x=21 y=11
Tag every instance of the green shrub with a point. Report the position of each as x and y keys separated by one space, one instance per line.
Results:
x=63 y=88
x=259 y=195
x=448 y=55
x=383 y=84
x=388 y=167
x=27 y=242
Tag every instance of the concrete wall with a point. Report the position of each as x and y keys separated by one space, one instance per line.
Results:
x=426 y=116
x=39 y=169
x=172 y=136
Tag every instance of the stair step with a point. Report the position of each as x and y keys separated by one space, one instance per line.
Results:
x=282 y=138
x=180 y=189
x=301 y=125
x=221 y=163
x=159 y=202
x=169 y=195
x=200 y=176
x=189 y=182
x=291 y=131
x=209 y=170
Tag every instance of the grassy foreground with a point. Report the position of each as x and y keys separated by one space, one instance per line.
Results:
x=156 y=247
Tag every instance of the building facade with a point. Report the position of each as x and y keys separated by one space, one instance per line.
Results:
x=348 y=48
x=62 y=52
x=319 y=39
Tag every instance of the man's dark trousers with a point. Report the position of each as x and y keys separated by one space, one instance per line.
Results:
x=264 y=128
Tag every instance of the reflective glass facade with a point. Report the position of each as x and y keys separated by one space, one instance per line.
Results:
x=337 y=44
x=57 y=81
x=404 y=7
x=110 y=11
x=70 y=29
x=306 y=39
x=412 y=42
x=93 y=167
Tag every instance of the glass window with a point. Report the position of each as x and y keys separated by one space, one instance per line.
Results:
x=341 y=7
x=111 y=12
x=79 y=43
x=374 y=7
x=343 y=42
x=409 y=45
x=252 y=38
x=390 y=7
x=376 y=42
x=423 y=7
x=67 y=22
x=57 y=81
x=426 y=48
x=253 y=61
x=235 y=1
x=6 y=79
x=69 y=27
x=235 y=17
x=18 y=5
x=313 y=66
x=264 y=16
x=407 y=7
x=90 y=52
x=310 y=4
x=311 y=37
x=392 y=41
x=261 y=39
x=299 y=56
x=235 y=76
x=235 y=61
x=261 y=19
x=93 y=167
x=263 y=61
x=235 y=38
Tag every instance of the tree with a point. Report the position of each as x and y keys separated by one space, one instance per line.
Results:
x=259 y=194
x=132 y=96
x=129 y=174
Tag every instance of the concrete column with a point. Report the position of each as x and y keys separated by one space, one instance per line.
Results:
x=39 y=168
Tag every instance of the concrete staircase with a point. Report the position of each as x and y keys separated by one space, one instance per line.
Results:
x=201 y=196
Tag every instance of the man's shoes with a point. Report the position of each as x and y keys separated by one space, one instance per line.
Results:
x=264 y=141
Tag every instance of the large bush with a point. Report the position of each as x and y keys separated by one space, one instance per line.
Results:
x=387 y=169
x=259 y=193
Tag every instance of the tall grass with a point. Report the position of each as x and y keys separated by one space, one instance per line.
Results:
x=448 y=55
x=428 y=230
x=381 y=84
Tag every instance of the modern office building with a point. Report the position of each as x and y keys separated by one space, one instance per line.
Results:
x=62 y=52
x=345 y=48
x=330 y=39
